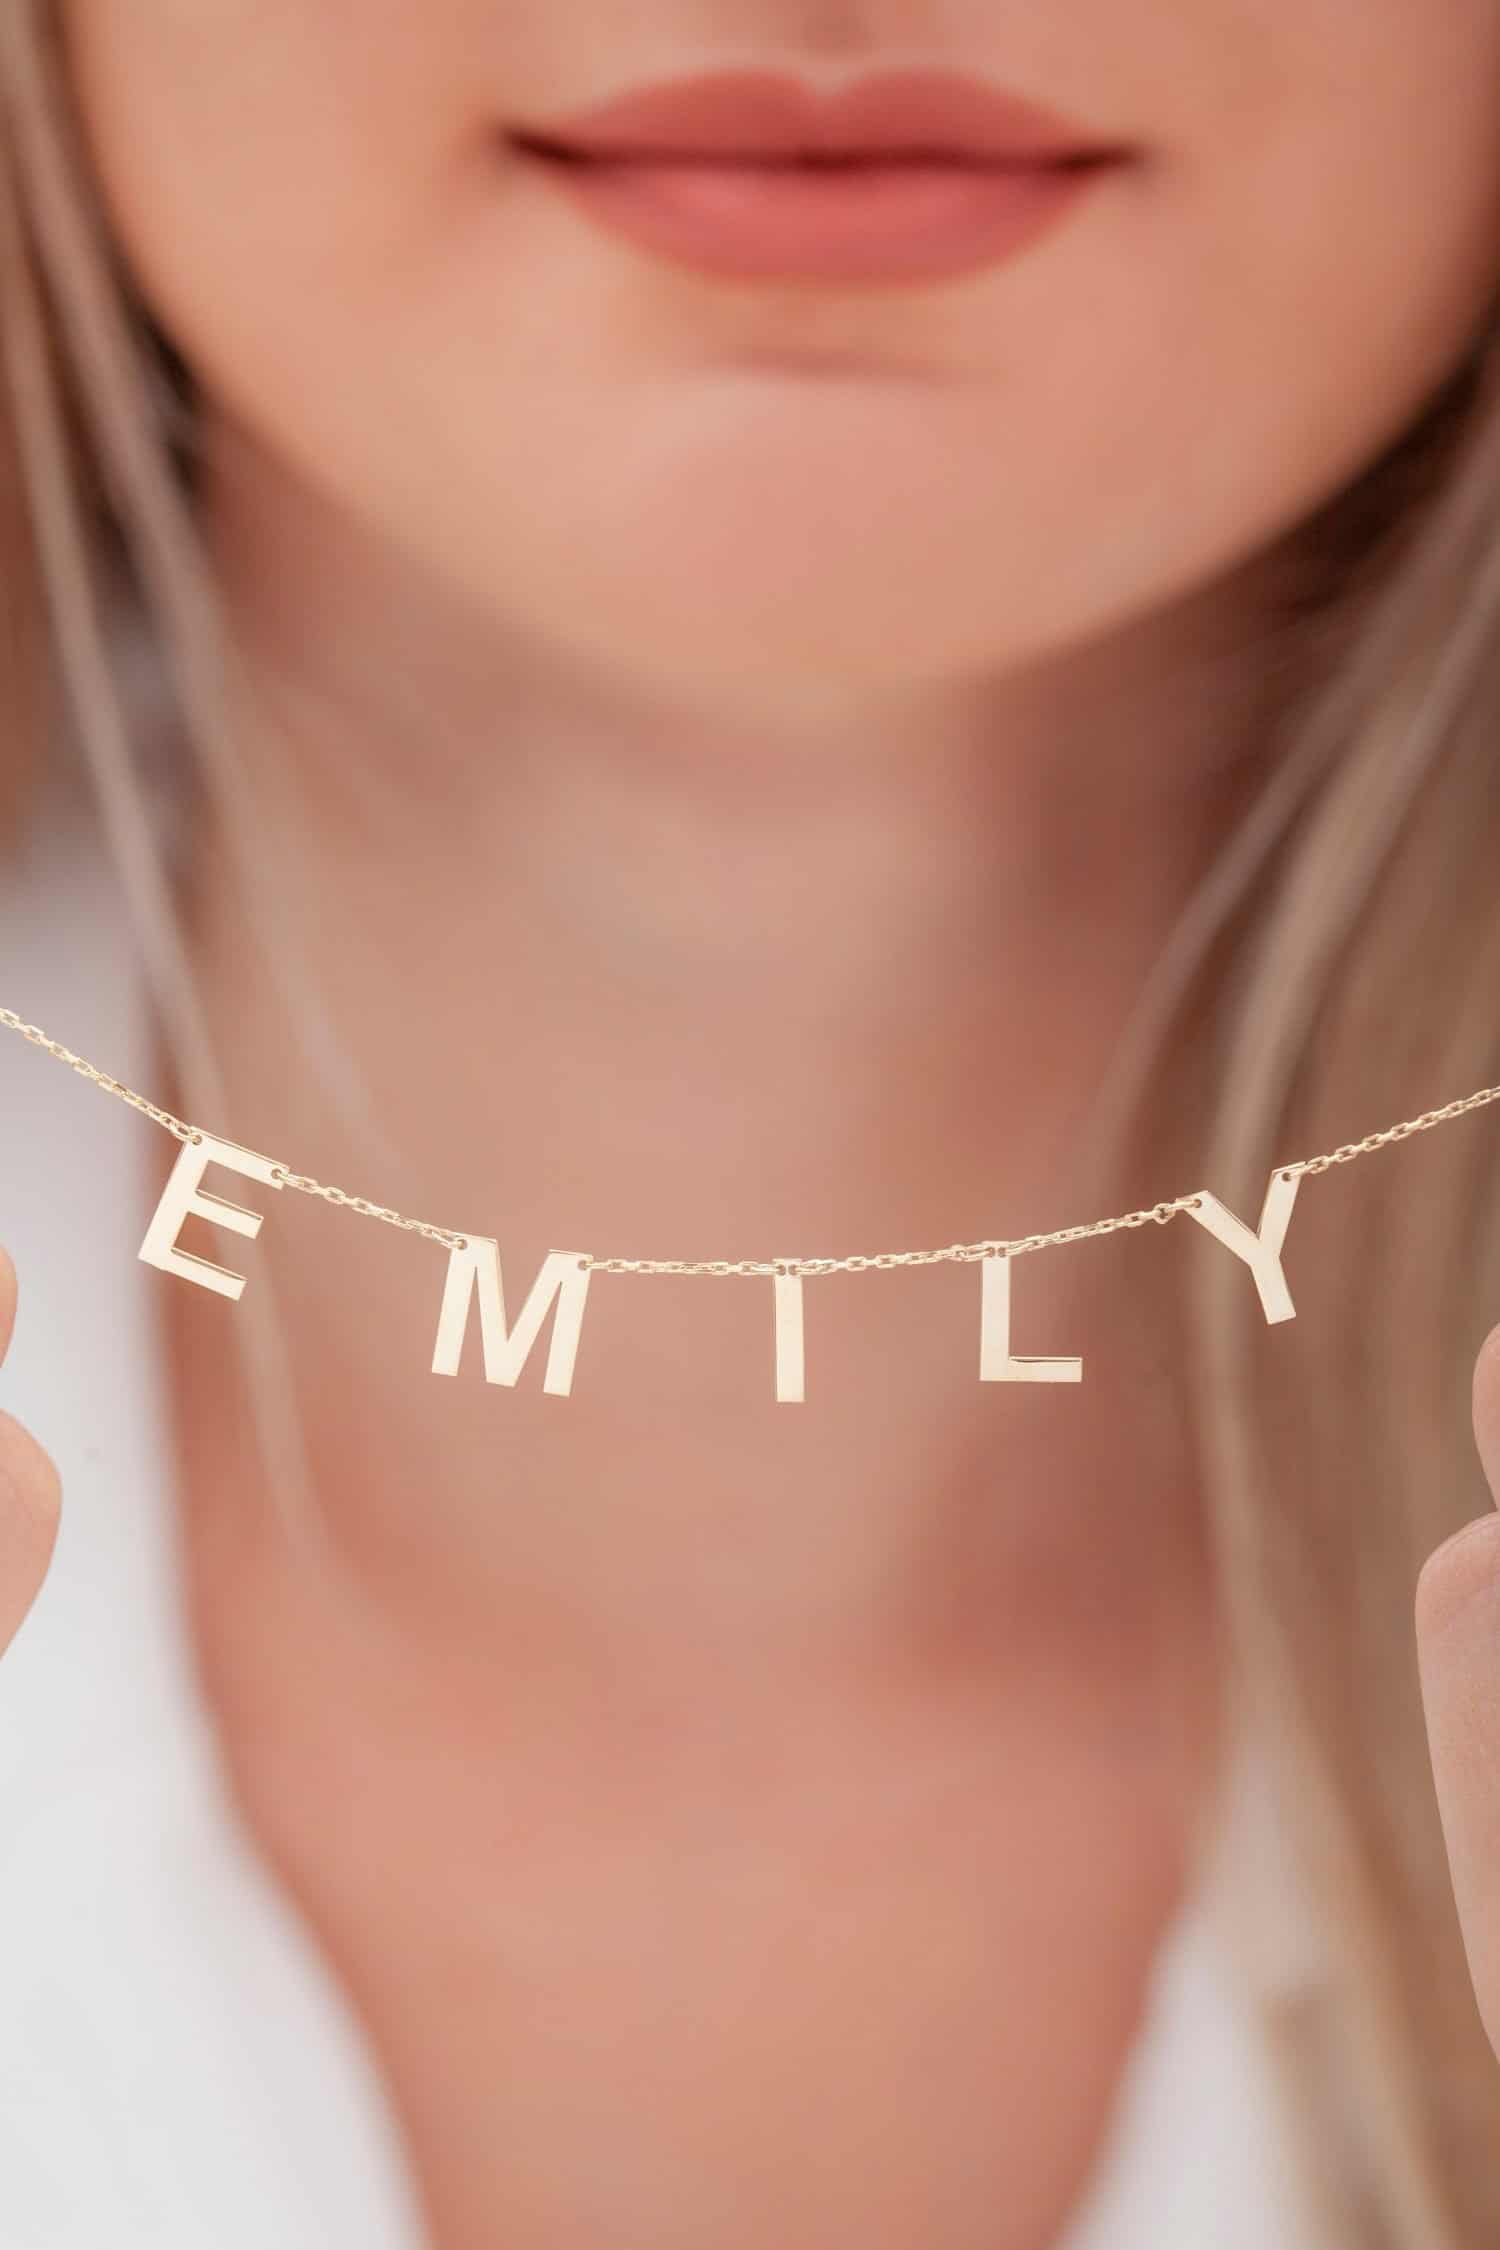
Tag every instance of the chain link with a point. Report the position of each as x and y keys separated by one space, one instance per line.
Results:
x=299 y=1180
x=13 y=1022
x=961 y=1253
x=1428 y=1118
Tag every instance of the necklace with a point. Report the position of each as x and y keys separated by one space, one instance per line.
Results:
x=474 y=1260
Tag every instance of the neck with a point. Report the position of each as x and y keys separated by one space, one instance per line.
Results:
x=680 y=972
x=784 y=885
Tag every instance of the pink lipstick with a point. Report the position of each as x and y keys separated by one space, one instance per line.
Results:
x=910 y=176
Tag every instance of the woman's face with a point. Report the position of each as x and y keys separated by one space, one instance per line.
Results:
x=692 y=475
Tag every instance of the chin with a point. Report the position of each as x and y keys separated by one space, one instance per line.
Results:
x=785 y=589
x=863 y=628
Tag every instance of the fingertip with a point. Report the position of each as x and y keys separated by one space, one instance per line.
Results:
x=30 y=1519
x=1466 y=1567
x=1486 y=1408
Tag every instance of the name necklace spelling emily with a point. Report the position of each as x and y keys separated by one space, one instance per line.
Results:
x=474 y=1259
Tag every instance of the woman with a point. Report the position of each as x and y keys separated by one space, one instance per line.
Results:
x=649 y=694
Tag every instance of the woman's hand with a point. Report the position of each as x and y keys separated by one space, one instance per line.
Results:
x=30 y=1493
x=1458 y=1649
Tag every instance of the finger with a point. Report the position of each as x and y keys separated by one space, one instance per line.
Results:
x=7 y=1299
x=30 y=1493
x=30 y=1509
x=1458 y=1654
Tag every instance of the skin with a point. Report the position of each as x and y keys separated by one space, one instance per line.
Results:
x=731 y=754
x=30 y=1493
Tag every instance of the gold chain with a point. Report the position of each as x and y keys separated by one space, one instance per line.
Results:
x=957 y=1253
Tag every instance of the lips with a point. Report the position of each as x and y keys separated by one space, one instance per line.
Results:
x=750 y=175
x=761 y=116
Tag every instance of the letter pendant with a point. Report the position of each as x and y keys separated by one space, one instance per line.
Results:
x=996 y=1362
x=184 y=1193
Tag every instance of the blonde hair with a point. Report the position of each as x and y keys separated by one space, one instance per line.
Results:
x=1362 y=870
